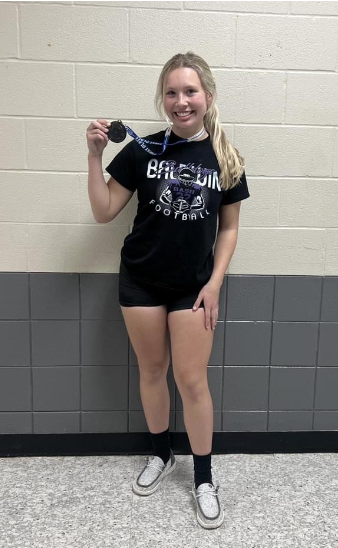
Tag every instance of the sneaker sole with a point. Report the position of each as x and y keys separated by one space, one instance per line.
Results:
x=149 y=491
x=208 y=524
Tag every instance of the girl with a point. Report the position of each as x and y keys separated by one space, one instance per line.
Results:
x=170 y=275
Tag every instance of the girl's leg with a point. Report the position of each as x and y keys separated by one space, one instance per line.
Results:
x=147 y=329
x=191 y=347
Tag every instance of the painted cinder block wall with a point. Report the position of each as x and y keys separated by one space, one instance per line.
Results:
x=66 y=364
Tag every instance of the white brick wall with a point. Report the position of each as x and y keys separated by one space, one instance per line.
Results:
x=63 y=64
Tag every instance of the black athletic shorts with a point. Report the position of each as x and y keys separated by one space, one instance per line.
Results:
x=133 y=292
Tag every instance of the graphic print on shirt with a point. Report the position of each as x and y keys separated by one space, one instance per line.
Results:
x=183 y=190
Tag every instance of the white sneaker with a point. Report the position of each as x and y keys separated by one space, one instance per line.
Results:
x=209 y=513
x=152 y=474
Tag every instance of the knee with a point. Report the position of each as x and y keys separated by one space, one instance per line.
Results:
x=192 y=387
x=152 y=371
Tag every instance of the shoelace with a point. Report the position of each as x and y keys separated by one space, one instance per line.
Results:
x=209 y=492
x=152 y=464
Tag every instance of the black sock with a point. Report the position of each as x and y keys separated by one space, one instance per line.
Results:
x=202 y=467
x=161 y=445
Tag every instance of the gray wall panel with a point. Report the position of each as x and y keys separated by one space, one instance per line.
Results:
x=15 y=389
x=244 y=421
x=54 y=296
x=15 y=345
x=14 y=296
x=67 y=365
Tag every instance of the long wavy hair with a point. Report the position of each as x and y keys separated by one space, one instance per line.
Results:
x=231 y=163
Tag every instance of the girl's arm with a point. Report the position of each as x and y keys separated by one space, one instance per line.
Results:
x=225 y=242
x=224 y=248
x=106 y=199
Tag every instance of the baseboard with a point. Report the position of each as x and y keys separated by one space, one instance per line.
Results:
x=33 y=445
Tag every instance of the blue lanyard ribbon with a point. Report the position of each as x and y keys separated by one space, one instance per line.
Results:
x=140 y=141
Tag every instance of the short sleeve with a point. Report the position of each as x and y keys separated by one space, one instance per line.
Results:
x=122 y=167
x=236 y=194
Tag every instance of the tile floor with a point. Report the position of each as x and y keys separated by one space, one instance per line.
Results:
x=270 y=501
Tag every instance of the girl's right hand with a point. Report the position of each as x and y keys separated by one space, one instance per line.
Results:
x=97 y=139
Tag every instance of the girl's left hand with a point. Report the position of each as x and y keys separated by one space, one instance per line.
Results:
x=210 y=295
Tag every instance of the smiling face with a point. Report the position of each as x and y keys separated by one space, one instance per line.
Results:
x=183 y=94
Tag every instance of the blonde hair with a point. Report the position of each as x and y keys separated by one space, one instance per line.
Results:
x=231 y=163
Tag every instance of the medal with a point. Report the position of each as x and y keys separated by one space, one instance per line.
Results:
x=117 y=133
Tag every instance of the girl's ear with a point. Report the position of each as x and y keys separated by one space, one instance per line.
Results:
x=209 y=100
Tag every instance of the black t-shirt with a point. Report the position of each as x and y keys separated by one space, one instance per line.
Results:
x=179 y=196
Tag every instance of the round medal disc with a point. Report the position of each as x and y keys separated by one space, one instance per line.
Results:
x=117 y=132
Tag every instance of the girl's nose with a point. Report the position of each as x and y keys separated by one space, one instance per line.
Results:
x=181 y=101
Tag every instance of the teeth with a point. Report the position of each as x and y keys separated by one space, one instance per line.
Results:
x=183 y=113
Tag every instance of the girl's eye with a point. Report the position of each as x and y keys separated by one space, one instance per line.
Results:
x=189 y=91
